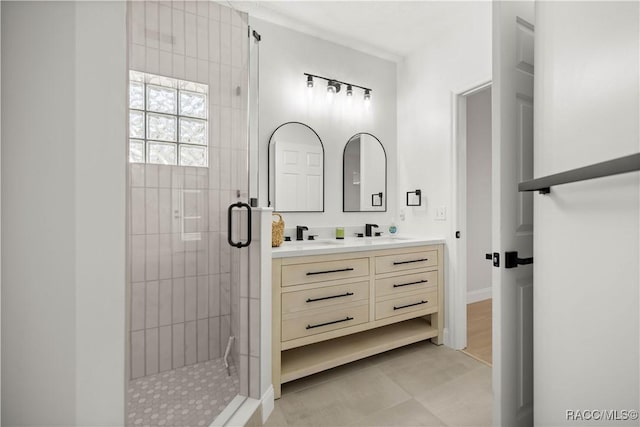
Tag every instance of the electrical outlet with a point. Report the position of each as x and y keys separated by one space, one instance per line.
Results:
x=441 y=213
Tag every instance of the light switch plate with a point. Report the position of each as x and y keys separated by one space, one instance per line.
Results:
x=441 y=213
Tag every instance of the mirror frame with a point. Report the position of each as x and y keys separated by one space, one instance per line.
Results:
x=273 y=193
x=386 y=191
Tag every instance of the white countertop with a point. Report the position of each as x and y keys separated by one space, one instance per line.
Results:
x=349 y=244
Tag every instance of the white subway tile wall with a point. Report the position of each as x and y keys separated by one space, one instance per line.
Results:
x=180 y=261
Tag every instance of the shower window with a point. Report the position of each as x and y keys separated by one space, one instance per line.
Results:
x=168 y=121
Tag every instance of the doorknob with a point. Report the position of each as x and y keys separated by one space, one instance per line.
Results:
x=511 y=260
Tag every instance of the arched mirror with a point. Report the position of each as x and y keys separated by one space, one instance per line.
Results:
x=364 y=179
x=296 y=169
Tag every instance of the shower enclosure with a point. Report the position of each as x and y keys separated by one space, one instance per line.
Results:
x=188 y=220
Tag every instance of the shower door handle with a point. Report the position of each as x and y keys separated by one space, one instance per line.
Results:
x=230 y=225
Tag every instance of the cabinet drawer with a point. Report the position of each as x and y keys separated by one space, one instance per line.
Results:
x=328 y=320
x=325 y=296
x=409 y=261
x=406 y=283
x=406 y=304
x=314 y=272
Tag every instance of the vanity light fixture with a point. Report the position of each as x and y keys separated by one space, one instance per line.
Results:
x=333 y=86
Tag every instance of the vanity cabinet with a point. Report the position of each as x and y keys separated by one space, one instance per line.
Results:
x=332 y=309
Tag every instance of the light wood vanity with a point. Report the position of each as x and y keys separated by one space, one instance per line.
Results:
x=352 y=302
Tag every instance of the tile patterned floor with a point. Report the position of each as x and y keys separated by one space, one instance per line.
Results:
x=189 y=396
x=417 y=385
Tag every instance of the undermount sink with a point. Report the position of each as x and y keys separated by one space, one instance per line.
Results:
x=387 y=239
x=310 y=243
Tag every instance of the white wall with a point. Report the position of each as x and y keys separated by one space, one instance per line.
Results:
x=452 y=63
x=38 y=245
x=455 y=61
x=100 y=173
x=63 y=263
x=284 y=56
x=586 y=244
x=478 y=229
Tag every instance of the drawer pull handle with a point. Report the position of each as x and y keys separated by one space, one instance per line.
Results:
x=410 y=305
x=311 y=273
x=410 y=283
x=346 y=319
x=348 y=294
x=409 y=262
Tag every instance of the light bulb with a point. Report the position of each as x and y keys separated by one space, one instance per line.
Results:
x=349 y=90
x=330 y=93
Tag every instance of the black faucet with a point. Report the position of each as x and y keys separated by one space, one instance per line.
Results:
x=299 y=230
x=367 y=229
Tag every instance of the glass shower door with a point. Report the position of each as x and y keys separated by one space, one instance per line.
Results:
x=187 y=353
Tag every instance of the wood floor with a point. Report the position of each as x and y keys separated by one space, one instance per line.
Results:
x=479 y=331
x=417 y=385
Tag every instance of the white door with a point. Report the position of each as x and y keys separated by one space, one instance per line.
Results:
x=512 y=128
x=299 y=180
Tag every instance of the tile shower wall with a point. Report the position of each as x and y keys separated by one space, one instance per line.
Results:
x=180 y=289
x=182 y=305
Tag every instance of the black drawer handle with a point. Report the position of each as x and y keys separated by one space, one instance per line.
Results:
x=311 y=273
x=346 y=319
x=410 y=283
x=410 y=305
x=409 y=262
x=348 y=294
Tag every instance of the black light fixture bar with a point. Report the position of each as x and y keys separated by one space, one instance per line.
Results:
x=337 y=81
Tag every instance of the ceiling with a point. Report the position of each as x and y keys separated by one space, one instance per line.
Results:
x=388 y=29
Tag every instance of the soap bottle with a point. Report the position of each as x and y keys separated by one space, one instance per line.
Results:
x=392 y=228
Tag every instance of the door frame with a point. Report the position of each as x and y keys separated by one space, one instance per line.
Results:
x=457 y=304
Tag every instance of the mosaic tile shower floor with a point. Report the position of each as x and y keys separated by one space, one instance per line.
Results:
x=187 y=397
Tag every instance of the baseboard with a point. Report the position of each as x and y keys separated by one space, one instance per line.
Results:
x=268 y=403
x=478 y=295
x=446 y=337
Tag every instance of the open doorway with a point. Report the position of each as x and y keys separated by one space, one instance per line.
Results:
x=478 y=224
x=474 y=166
